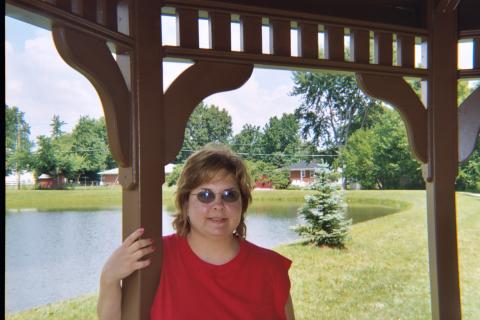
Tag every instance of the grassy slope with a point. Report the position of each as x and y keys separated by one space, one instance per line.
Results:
x=382 y=275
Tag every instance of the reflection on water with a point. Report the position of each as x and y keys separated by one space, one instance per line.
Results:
x=53 y=256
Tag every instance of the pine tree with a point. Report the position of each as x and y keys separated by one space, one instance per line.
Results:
x=324 y=213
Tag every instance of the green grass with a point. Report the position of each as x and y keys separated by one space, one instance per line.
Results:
x=56 y=200
x=383 y=273
x=82 y=308
x=104 y=198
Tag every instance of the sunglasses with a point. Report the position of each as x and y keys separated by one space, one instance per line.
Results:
x=208 y=196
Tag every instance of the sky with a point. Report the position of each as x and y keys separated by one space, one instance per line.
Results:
x=42 y=85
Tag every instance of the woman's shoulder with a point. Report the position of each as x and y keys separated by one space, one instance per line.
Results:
x=171 y=240
x=265 y=255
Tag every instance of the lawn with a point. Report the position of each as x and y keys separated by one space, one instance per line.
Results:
x=383 y=273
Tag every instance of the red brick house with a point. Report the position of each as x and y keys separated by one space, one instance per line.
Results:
x=303 y=173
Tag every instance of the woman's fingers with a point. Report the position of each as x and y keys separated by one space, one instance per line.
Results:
x=139 y=244
x=142 y=264
x=133 y=236
x=140 y=253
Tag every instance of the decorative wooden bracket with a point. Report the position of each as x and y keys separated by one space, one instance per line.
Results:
x=468 y=125
x=395 y=91
x=190 y=88
x=92 y=58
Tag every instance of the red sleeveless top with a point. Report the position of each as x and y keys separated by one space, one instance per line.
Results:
x=253 y=285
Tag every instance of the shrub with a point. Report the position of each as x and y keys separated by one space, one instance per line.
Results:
x=324 y=213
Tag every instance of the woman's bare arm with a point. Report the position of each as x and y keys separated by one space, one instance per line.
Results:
x=290 y=315
x=123 y=262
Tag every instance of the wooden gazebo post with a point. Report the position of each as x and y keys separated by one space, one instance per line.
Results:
x=142 y=203
x=442 y=161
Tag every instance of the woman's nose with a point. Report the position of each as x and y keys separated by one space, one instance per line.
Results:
x=218 y=202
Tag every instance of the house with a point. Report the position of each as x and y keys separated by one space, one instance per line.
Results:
x=263 y=183
x=45 y=181
x=302 y=173
x=110 y=177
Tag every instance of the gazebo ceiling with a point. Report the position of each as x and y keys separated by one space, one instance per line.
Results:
x=407 y=13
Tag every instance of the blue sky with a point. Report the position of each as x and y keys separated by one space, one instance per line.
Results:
x=42 y=85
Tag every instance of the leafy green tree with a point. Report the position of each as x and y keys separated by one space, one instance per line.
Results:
x=89 y=144
x=262 y=171
x=172 y=178
x=332 y=108
x=324 y=213
x=380 y=157
x=468 y=178
x=358 y=160
x=280 y=139
x=17 y=141
x=248 y=142
x=56 y=126
x=280 y=178
x=45 y=161
x=206 y=124
x=102 y=132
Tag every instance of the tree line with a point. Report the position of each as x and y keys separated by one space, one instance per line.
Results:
x=81 y=153
x=335 y=124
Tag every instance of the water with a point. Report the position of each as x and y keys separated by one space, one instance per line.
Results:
x=53 y=256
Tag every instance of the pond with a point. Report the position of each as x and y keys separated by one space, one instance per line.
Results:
x=53 y=256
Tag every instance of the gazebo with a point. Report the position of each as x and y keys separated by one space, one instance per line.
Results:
x=146 y=125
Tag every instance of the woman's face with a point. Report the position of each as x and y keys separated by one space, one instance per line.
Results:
x=218 y=218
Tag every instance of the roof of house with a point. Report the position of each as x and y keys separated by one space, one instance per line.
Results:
x=110 y=171
x=168 y=168
x=303 y=165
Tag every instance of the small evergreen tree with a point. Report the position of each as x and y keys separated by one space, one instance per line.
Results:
x=324 y=213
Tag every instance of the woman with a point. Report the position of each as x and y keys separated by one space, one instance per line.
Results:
x=209 y=270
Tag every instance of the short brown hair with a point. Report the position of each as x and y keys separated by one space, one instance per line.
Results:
x=201 y=167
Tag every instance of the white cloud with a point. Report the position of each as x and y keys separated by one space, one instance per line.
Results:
x=253 y=103
x=41 y=85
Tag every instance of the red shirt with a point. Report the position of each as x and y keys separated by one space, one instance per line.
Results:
x=253 y=285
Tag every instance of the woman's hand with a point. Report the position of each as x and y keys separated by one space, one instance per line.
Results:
x=127 y=258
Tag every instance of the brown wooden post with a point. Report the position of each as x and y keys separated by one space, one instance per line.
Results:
x=443 y=162
x=142 y=203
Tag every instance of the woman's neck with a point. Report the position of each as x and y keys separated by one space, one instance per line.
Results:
x=212 y=250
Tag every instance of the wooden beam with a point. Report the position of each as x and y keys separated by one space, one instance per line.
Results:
x=383 y=50
x=220 y=31
x=360 y=45
x=187 y=26
x=251 y=34
x=280 y=35
x=308 y=40
x=43 y=15
x=406 y=51
x=469 y=125
x=443 y=165
x=476 y=53
x=173 y=52
x=92 y=58
x=200 y=81
x=334 y=43
x=395 y=91
x=142 y=203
